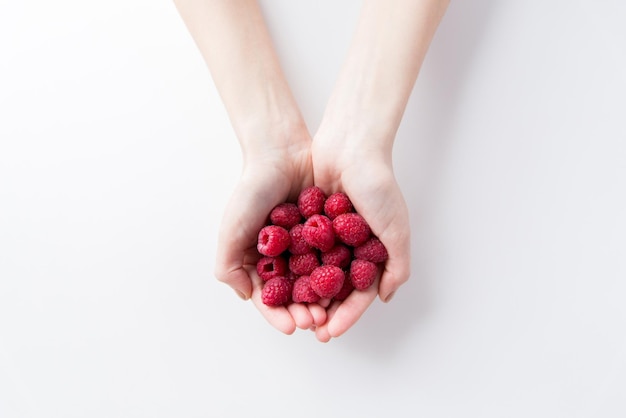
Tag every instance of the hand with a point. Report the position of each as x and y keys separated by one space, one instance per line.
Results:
x=366 y=176
x=271 y=175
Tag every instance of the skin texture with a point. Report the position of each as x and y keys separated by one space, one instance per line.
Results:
x=280 y=157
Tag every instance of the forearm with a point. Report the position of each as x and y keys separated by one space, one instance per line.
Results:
x=378 y=75
x=236 y=46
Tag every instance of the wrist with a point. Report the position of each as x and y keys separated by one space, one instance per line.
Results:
x=351 y=133
x=363 y=112
x=273 y=137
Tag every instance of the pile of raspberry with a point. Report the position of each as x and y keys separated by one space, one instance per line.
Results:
x=316 y=248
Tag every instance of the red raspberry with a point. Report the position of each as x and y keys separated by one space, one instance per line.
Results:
x=311 y=201
x=351 y=229
x=285 y=215
x=371 y=250
x=362 y=274
x=303 y=264
x=273 y=240
x=345 y=291
x=318 y=232
x=277 y=291
x=270 y=267
x=336 y=204
x=339 y=256
x=298 y=244
x=327 y=281
x=302 y=291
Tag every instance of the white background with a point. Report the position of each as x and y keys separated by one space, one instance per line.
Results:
x=116 y=159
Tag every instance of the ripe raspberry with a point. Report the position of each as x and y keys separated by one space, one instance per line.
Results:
x=371 y=250
x=298 y=244
x=336 y=204
x=318 y=232
x=277 y=291
x=362 y=274
x=345 y=291
x=339 y=256
x=327 y=281
x=311 y=201
x=351 y=229
x=273 y=240
x=302 y=291
x=285 y=215
x=270 y=267
x=303 y=264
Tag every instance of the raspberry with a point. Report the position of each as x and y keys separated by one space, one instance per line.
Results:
x=317 y=248
x=339 y=256
x=351 y=229
x=362 y=274
x=277 y=291
x=302 y=291
x=337 y=204
x=273 y=240
x=285 y=215
x=311 y=201
x=371 y=250
x=298 y=245
x=270 y=267
x=327 y=281
x=345 y=291
x=303 y=264
x=318 y=232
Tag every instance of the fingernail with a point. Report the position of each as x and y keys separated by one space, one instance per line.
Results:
x=241 y=295
x=389 y=296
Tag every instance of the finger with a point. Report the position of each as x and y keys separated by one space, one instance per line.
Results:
x=397 y=267
x=318 y=313
x=394 y=233
x=301 y=315
x=351 y=309
x=324 y=303
x=321 y=332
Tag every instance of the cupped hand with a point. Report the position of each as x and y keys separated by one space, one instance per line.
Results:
x=366 y=176
x=270 y=176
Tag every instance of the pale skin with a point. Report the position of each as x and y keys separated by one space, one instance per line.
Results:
x=280 y=157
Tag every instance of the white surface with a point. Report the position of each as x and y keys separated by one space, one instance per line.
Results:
x=116 y=158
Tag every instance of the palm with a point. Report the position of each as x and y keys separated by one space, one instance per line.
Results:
x=265 y=182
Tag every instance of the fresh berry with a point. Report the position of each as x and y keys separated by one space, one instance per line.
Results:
x=337 y=204
x=318 y=248
x=270 y=267
x=298 y=244
x=311 y=201
x=303 y=264
x=285 y=215
x=371 y=250
x=351 y=229
x=318 y=232
x=339 y=256
x=345 y=291
x=277 y=291
x=273 y=240
x=302 y=291
x=327 y=281
x=362 y=274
